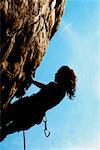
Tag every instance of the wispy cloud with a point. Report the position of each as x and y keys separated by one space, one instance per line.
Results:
x=85 y=60
x=66 y=26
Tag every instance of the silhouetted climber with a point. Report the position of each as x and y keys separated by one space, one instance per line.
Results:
x=28 y=111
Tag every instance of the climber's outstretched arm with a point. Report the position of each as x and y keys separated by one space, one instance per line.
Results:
x=38 y=84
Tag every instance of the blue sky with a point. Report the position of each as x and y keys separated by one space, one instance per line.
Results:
x=74 y=125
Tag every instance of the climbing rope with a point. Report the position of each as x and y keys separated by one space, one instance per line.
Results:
x=24 y=140
x=46 y=132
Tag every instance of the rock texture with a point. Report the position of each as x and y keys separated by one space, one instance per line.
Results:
x=26 y=29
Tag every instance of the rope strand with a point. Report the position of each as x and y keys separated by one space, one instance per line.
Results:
x=24 y=140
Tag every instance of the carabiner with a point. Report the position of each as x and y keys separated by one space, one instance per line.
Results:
x=47 y=133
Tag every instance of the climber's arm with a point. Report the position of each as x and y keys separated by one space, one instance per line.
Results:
x=38 y=84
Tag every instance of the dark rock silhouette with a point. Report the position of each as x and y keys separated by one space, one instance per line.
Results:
x=26 y=27
x=25 y=30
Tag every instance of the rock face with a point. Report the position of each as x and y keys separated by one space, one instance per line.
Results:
x=26 y=29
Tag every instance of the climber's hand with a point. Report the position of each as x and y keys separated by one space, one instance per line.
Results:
x=38 y=84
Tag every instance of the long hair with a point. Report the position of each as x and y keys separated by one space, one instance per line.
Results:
x=67 y=78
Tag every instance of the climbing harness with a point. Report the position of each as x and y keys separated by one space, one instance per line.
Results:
x=46 y=132
x=24 y=140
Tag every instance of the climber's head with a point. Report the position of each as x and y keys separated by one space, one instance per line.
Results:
x=67 y=79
